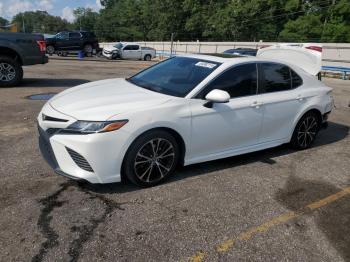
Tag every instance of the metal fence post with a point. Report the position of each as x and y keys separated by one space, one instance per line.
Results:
x=172 y=44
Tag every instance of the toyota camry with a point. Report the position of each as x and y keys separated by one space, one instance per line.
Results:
x=182 y=111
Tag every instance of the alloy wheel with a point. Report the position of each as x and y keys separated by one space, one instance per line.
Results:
x=154 y=160
x=7 y=72
x=50 y=49
x=307 y=131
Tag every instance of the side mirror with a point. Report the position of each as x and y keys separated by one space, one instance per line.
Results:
x=216 y=96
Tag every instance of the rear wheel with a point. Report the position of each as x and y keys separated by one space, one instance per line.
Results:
x=11 y=72
x=88 y=49
x=147 y=58
x=306 y=130
x=151 y=159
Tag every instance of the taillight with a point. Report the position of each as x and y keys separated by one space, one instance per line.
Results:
x=315 y=48
x=42 y=45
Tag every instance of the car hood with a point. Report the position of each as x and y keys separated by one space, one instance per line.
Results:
x=110 y=48
x=101 y=100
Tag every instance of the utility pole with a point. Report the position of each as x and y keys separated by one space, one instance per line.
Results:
x=23 y=27
x=172 y=44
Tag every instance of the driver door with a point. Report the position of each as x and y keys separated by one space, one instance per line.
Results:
x=228 y=126
x=62 y=41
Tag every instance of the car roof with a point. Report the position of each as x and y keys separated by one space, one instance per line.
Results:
x=129 y=43
x=224 y=60
x=229 y=61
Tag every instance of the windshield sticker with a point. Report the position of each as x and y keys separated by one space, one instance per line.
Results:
x=206 y=64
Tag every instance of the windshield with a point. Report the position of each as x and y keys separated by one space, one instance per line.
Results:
x=119 y=45
x=176 y=76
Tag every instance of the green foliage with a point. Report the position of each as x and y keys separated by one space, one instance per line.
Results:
x=40 y=21
x=85 y=18
x=3 y=21
x=216 y=20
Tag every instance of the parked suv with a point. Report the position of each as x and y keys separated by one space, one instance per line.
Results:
x=70 y=41
x=17 y=50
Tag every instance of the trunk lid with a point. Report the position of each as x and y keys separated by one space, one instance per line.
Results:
x=306 y=56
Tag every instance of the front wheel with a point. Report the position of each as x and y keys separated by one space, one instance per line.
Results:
x=50 y=49
x=305 y=131
x=11 y=72
x=151 y=158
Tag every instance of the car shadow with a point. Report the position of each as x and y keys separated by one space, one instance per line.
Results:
x=332 y=219
x=51 y=82
x=334 y=133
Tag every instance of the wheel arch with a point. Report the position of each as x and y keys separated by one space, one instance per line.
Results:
x=308 y=110
x=179 y=139
x=10 y=52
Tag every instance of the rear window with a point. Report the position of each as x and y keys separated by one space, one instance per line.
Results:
x=88 y=34
x=74 y=35
x=274 y=78
x=296 y=79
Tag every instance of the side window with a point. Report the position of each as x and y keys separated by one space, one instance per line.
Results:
x=238 y=81
x=74 y=35
x=134 y=47
x=274 y=77
x=296 y=79
x=63 y=35
x=128 y=47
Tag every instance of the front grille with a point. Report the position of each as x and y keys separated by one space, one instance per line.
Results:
x=79 y=160
x=52 y=131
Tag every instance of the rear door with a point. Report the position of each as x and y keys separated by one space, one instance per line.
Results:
x=280 y=97
x=75 y=40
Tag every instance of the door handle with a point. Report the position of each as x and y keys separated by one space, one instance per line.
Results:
x=300 y=98
x=256 y=104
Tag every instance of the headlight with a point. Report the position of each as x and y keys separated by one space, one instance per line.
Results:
x=90 y=127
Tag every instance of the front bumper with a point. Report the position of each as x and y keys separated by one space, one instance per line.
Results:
x=108 y=55
x=96 y=158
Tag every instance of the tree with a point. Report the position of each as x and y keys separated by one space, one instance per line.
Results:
x=40 y=22
x=85 y=18
x=326 y=21
x=3 y=21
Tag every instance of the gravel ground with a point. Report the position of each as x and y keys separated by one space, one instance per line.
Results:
x=45 y=217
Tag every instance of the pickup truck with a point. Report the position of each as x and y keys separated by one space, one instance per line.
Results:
x=130 y=51
x=72 y=41
x=17 y=50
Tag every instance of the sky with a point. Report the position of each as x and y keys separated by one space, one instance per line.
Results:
x=62 y=8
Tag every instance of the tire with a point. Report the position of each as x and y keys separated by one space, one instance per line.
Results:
x=11 y=72
x=142 y=167
x=147 y=58
x=87 y=49
x=306 y=131
x=50 y=49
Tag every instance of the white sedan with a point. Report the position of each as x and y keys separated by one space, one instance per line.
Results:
x=182 y=111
